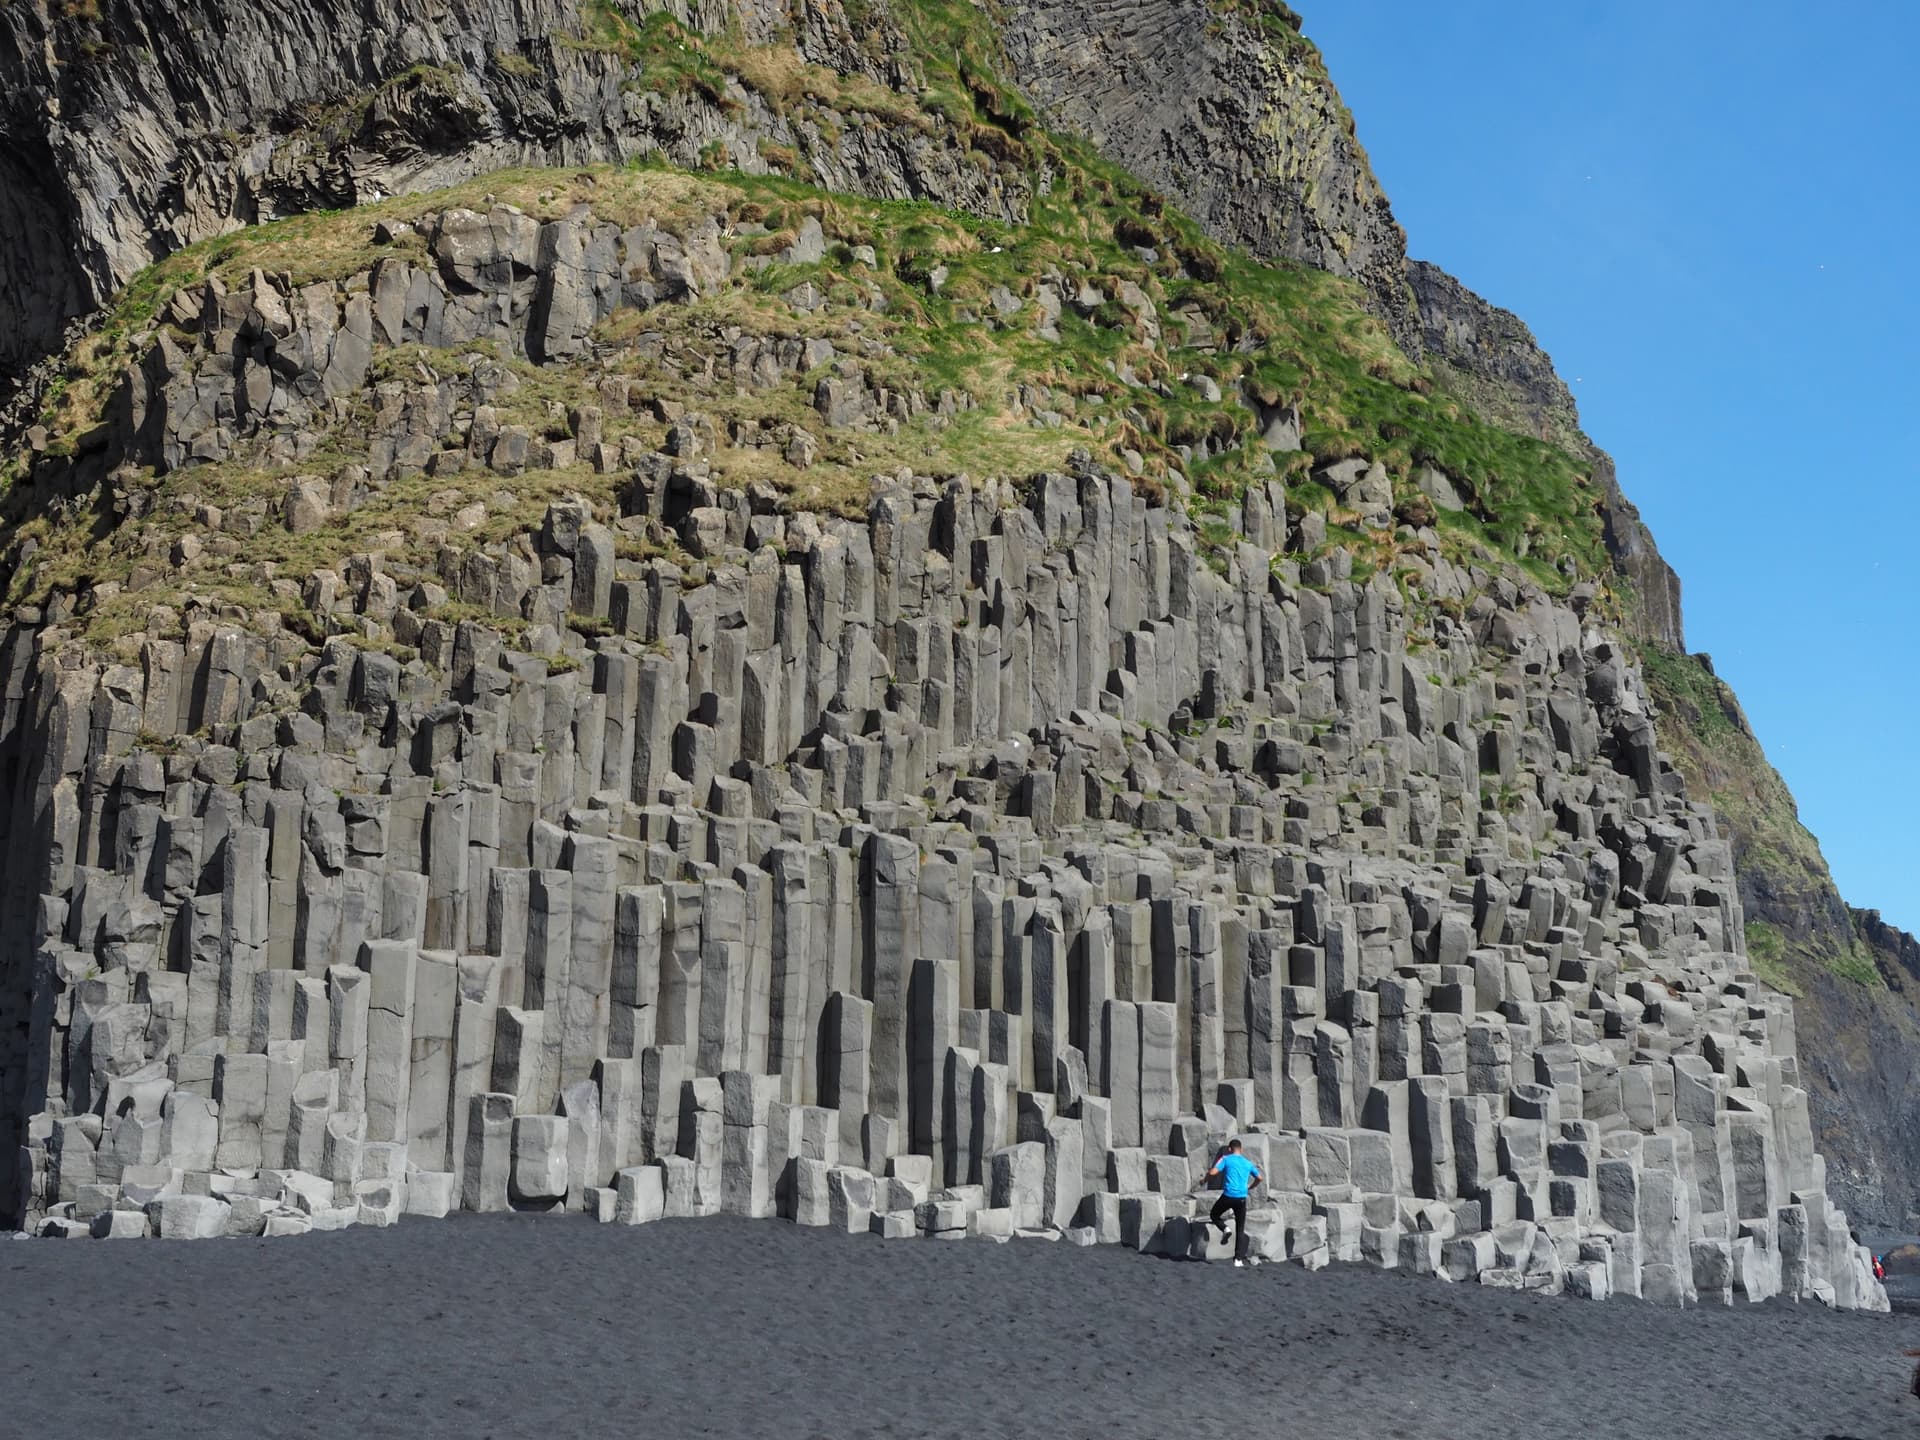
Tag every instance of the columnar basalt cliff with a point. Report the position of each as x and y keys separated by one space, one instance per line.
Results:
x=672 y=694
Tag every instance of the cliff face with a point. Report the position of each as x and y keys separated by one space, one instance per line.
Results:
x=136 y=127
x=1857 y=979
x=1491 y=360
x=308 y=105
x=973 y=857
x=1228 y=109
x=655 y=692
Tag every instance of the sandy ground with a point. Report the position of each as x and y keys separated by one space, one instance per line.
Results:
x=553 y=1327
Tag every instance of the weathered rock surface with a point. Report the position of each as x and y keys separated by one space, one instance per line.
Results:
x=1233 y=114
x=972 y=862
x=1493 y=360
x=326 y=106
x=1857 y=979
x=136 y=127
x=972 y=867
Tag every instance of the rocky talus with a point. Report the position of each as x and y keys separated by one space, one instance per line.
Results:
x=973 y=861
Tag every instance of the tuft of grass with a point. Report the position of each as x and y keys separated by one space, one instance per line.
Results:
x=1767 y=954
x=1277 y=22
x=1857 y=963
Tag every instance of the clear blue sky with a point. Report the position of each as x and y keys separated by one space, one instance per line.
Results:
x=1707 y=212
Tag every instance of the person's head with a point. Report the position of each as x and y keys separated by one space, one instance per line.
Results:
x=1233 y=1147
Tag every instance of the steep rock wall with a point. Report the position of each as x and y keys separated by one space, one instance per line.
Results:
x=152 y=124
x=977 y=864
x=1861 y=1080
x=1856 y=976
x=1491 y=359
x=1236 y=119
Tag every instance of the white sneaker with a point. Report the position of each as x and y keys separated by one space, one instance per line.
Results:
x=1239 y=1264
x=1252 y=1260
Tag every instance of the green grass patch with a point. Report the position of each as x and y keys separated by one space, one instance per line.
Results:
x=1692 y=694
x=1767 y=954
x=1857 y=964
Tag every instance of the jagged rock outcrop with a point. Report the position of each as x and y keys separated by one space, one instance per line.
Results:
x=1494 y=358
x=974 y=864
x=1858 y=993
x=1862 y=1075
x=1224 y=107
x=1897 y=945
x=1491 y=358
x=131 y=130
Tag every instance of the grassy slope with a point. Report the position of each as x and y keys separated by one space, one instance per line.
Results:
x=1286 y=335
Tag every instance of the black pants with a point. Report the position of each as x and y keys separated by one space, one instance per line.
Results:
x=1237 y=1207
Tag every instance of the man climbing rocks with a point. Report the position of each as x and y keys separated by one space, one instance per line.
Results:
x=1238 y=1176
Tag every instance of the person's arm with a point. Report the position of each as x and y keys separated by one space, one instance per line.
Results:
x=1254 y=1179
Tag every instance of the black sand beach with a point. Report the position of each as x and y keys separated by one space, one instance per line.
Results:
x=515 y=1326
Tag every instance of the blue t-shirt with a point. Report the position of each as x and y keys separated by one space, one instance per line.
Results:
x=1237 y=1170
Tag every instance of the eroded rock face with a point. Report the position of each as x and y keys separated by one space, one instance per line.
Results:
x=1244 y=130
x=971 y=865
x=1494 y=360
x=269 y=374
x=39 y=277
x=1493 y=346
x=153 y=124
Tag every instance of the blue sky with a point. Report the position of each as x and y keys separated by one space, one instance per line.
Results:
x=1707 y=213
